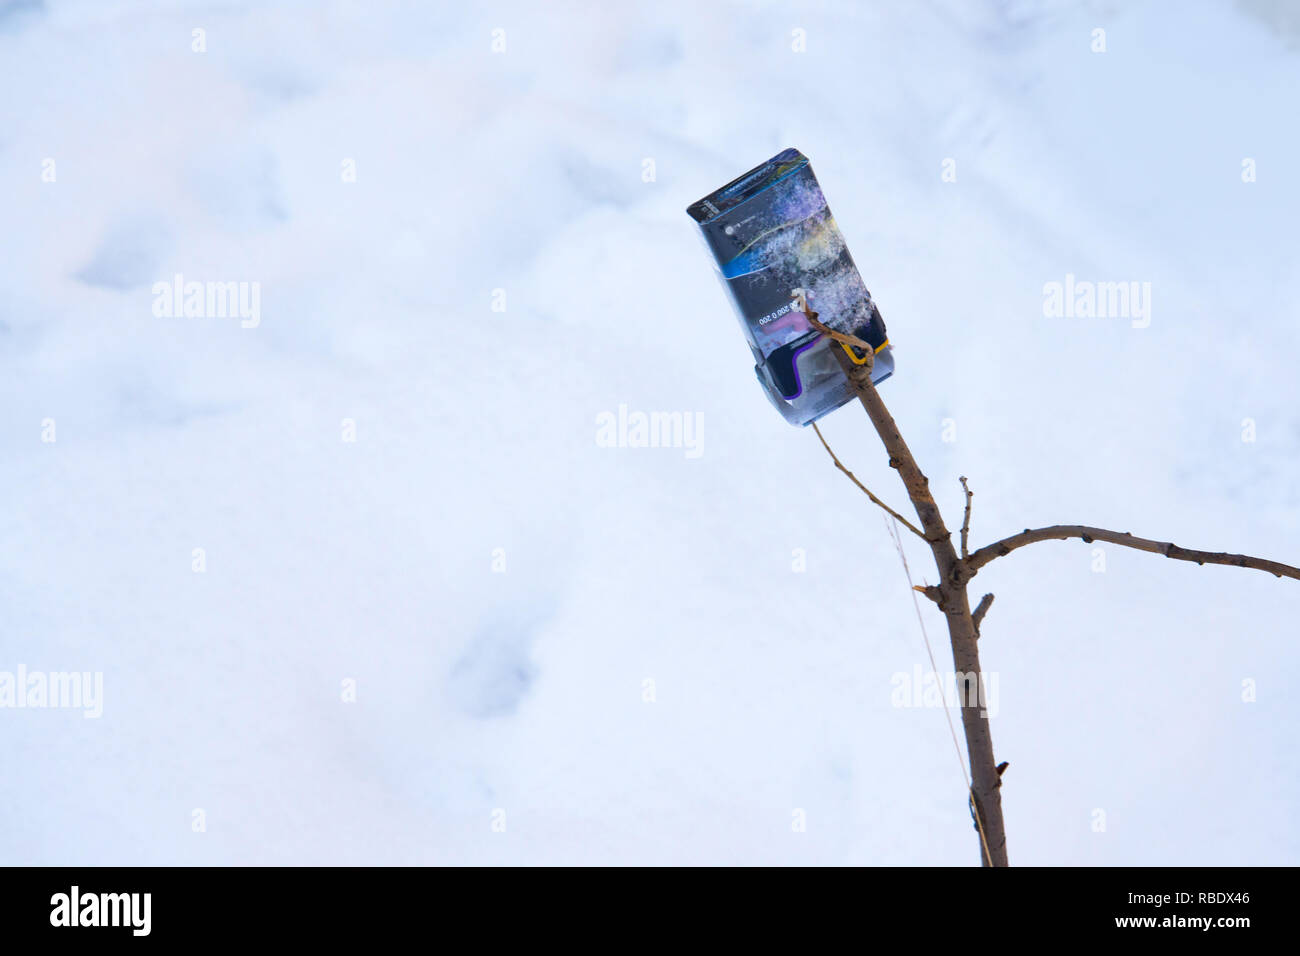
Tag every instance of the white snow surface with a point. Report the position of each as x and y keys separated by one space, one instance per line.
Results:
x=519 y=696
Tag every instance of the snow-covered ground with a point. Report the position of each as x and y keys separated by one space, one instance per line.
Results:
x=609 y=653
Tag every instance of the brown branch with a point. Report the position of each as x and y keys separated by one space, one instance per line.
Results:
x=867 y=491
x=956 y=571
x=1063 y=531
x=965 y=525
x=980 y=610
x=986 y=800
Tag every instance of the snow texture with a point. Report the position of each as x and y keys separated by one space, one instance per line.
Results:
x=504 y=590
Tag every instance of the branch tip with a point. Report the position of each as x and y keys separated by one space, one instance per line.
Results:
x=965 y=524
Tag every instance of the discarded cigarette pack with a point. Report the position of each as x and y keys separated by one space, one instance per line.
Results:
x=771 y=233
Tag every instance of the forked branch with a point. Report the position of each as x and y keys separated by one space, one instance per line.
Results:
x=955 y=572
x=986 y=801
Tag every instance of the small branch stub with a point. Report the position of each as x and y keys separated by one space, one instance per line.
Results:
x=980 y=610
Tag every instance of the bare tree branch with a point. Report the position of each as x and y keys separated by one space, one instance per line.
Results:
x=955 y=573
x=1063 y=531
x=986 y=800
x=965 y=525
x=853 y=478
x=980 y=610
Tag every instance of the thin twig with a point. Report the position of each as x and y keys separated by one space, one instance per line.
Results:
x=1063 y=531
x=965 y=525
x=980 y=610
x=867 y=491
x=801 y=303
